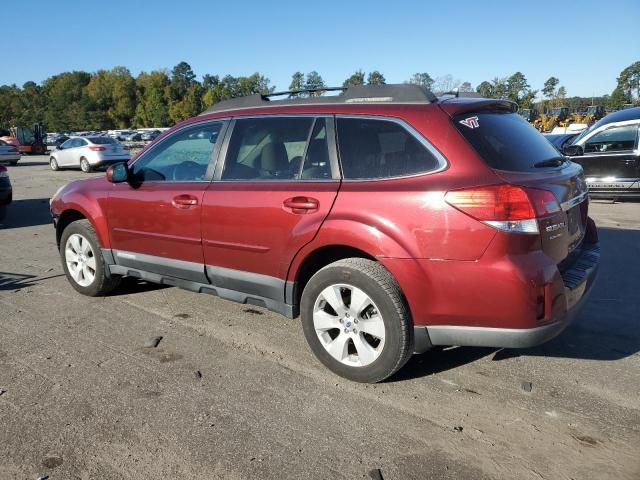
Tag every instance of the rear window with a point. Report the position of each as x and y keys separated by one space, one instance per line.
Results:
x=505 y=141
x=102 y=140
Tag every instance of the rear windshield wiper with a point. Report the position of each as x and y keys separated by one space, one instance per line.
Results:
x=552 y=162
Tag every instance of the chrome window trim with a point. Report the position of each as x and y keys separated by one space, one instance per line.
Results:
x=442 y=161
x=213 y=158
x=607 y=126
x=331 y=141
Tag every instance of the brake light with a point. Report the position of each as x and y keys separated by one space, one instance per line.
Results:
x=94 y=148
x=509 y=208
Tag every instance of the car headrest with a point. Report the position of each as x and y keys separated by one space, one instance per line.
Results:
x=274 y=157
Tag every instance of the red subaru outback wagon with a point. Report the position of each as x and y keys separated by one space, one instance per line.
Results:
x=389 y=219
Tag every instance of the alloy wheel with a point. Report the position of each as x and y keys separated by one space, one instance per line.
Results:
x=349 y=325
x=81 y=261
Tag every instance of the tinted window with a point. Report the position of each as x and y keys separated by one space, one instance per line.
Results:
x=278 y=148
x=380 y=149
x=505 y=141
x=613 y=139
x=67 y=144
x=182 y=157
x=102 y=140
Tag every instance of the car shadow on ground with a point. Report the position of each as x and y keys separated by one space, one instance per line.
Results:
x=17 y=281
x=26 y=213
x=33 y=163
x=131 y=286
x=606 y=329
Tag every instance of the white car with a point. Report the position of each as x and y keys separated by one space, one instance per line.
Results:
x=88 y=153
x=8 y=153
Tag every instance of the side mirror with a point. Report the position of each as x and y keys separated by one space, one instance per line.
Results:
x=573 y=150
x=118 y=173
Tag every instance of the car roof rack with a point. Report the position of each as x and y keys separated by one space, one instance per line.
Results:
x=400 y=93
x=458 y=94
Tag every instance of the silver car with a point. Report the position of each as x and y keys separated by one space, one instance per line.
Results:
x=88 y=153
x=8 y=153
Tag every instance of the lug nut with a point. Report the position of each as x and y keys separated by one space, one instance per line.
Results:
x=355 y=320
x=346 y=330
x=355 y=331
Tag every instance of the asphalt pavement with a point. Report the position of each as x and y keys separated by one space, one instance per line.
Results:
x=232 y=391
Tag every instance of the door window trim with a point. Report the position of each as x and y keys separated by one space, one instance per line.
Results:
x=213 y=157
x=583 y=141
x=331 y=141
x=443 y=164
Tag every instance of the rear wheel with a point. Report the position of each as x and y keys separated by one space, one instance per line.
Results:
x=82 y=260
x=356 y=321
x=53 y=163
x=85 y=166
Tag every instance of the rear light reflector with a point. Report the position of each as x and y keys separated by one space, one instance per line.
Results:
x=94 y=148
x=509 y=208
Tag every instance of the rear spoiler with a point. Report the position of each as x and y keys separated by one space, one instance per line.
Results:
x=457 y=106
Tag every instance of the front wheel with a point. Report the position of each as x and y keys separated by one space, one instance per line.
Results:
x=82 y=260
x=356 y=320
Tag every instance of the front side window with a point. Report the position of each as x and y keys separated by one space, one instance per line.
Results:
x=372 y=149
x=278 y=148
x=615 y=139
x=68 y=144
x=182 y=157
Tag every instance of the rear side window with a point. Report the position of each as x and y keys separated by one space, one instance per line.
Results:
x=505 y=141
x=372 y=149
x=102 y=140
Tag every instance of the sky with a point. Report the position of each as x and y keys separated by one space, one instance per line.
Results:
x=584 y=43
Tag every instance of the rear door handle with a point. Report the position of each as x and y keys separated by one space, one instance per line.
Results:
x=301 y=204
x=184 y=201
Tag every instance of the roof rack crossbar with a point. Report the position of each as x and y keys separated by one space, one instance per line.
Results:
x=304 y=90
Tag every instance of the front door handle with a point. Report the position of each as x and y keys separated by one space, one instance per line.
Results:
x=184 y=201
x=301 y=204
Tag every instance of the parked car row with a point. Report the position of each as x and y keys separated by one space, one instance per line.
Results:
x=146 y=135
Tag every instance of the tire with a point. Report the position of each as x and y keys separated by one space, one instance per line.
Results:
x=85 y=166
x=72 y=245
x=53 y=163
x=363 y=356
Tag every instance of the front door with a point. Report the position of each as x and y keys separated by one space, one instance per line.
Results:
x=268 y=200
x=154 y=220
x=610 y=157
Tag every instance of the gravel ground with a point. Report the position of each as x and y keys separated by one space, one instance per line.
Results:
x=232 y=391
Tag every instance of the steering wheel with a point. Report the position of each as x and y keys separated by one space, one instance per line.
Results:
x=188 y=171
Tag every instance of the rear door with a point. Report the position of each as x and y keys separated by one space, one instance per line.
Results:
x=610 y=159
x=275 y=188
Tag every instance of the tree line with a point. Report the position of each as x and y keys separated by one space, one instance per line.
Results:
x=114 y=98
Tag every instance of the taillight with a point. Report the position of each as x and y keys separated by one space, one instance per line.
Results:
x=94 y=148
x=506 y=207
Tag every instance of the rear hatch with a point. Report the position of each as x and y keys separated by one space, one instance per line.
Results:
x=109 y=147
x=521 y=156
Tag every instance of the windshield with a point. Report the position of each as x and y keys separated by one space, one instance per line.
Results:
x=505 y=141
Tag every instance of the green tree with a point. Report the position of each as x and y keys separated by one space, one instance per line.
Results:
x=297 y=83
x=618 y=98
x=357 y=78
x=314 y=81
x=152 y=109
x=68 y=105
x=549 y=88
x=423 y=79
x=485 y=89
x=629 y=81
x=182 y=78
x=113 y=94
x=188 y=106
x=376 y=78
x=465 y=87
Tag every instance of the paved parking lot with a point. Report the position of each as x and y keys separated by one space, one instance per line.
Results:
x=232 y=391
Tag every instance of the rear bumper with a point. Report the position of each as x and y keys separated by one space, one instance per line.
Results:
x=578 y=278
x=103 y=162
x=10 y=158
